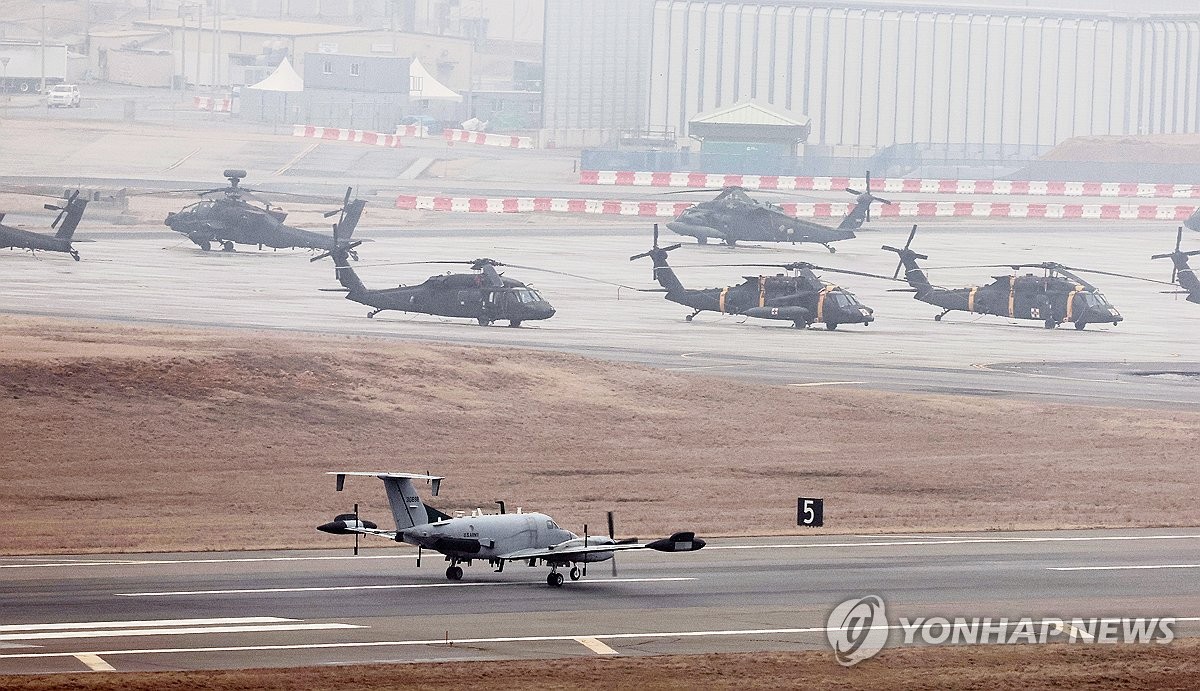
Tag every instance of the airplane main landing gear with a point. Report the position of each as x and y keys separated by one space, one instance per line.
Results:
x=554 y=579
x=454 y=573
x=574 y=573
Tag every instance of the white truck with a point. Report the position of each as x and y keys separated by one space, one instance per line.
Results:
x=21 y=65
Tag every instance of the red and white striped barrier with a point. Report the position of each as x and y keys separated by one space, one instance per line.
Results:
x=418 y=131
x=220 y=105
x=344 y=135
x=501 y=205
x=893 y=185
x=487 y=139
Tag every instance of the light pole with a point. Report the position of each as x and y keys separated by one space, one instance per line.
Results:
x=4 y=64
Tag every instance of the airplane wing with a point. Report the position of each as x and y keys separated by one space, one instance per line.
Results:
x=571 y=551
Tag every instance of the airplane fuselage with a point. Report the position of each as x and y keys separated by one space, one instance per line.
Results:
x=488 y=536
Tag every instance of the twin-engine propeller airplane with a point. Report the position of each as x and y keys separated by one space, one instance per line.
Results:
x=1057 y=297
x=497 y=538
x=801 y=297
x=1182 y=274
x=734 y=216
x=69 y=215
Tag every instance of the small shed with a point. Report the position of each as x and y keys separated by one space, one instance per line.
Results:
x=750 y=127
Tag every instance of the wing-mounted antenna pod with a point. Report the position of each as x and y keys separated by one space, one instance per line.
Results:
x=905 y=253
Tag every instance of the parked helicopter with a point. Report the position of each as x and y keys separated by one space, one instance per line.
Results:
x=69 y=215
x=229 y=218
x=801 y=298
x=735 y=216
x=1056 y=297
x=485 y=296
x=1181 y=273
x=498 y=538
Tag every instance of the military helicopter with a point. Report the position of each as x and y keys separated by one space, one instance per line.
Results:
x=229 y=218
x=734 y=216
x=485 y=296
x=801 y=297
x=69 y=214
x=1181 y=273
x=496 y=538
x=1056 y=297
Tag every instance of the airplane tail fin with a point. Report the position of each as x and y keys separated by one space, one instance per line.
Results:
x=407 y=508
x=69 y=215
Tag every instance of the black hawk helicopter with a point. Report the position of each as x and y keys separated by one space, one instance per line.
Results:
x=69 y=214
x=1182 y=274
x=735 y=216
x=229 y=218
x=1056 y=297
x=485 y=296
x=801 y=297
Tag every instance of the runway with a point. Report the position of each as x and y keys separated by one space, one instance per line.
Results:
x=156 y=277
x=263 y=609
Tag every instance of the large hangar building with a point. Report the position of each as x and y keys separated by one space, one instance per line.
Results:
x=992 y=74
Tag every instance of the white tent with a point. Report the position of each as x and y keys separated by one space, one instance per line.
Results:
x=426 y=88
x=284 y=78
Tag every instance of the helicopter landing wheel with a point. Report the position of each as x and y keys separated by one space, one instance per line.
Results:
x=938 y=317
x=832 y=250
x=483 y=322
x=1050 y=323
x=554 y=579
x=701 y=240
x=75 y=255
x=799 y=325
x=689 y=317
x=830 y=326
x=372 y=313
x=574 y=573
x=204 y=245
x=227 y=246
x=1079 y=325
x=454 y=573
x=514 y=323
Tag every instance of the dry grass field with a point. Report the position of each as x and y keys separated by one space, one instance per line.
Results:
x=999 y=668
x=144 y=439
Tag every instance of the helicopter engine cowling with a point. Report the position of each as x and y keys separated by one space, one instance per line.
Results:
x=785 y=313
x=343 y=524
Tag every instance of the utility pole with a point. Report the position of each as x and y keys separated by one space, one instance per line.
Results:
x=43 y=89
x=199 y=38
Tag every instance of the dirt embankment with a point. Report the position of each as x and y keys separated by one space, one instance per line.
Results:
x=143 y=439
x=1016 y=668
x=149 y=439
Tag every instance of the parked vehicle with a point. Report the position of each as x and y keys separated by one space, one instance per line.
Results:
x=63 y=95
x=22 y=65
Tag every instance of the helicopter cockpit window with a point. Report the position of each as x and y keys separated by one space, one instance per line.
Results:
x=1094 y=299
x=843 y=299
x=552 y=525
x=526 y=296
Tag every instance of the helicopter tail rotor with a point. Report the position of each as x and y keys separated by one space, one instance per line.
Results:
x=655 y=248
x=62 y=210
x=905 y=253
x=865 y=197
x=1172 y=255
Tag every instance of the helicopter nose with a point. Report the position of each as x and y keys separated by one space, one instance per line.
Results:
x=542 y=311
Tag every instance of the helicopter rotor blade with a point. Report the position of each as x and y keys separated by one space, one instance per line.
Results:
x=1111 y=273
x=612 y=536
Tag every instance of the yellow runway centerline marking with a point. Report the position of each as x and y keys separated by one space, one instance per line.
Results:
x=95 y=662
x=596 y=646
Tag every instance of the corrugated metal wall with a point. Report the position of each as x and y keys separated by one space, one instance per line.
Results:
x=872 y=76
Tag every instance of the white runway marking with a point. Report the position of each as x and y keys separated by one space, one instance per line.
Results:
x=934 y=541
x=497 y=639
x=94 y=662
x=116 y=633
x=296 y=159
x=391 y=586
x=1136 y=567
x=596 y=646
x=826 y=383
x=140 y=623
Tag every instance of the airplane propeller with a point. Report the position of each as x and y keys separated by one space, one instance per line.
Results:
x=62 y=210
x=866 y=196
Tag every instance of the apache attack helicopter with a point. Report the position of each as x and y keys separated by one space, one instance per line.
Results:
x=801 y=297
x=1056 y=297
x=495 y=538
x=1182 y=274
x=735 y=216
x=485 y=296
x=229 y=218
x=69 y=215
